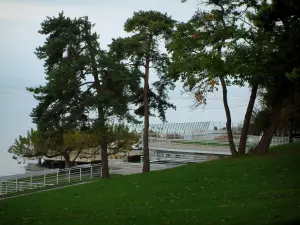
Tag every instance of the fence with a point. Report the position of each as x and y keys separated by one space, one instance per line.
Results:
x=27 y=182
x=30 y=182
x=175 y=159
x=202 y=133
x=215 y=139
x=279 y=141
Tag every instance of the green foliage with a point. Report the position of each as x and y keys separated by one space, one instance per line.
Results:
x=121 y=139
x=25 y=147
x=202 y=49
x=81 y=78
x=294 y=74
x=241 y=43
x=260 y=120
x=280 y=22
x=221 y=42
x=60 y=106
x=150 y=24
x=34 y=145
x=148 y=28
x=68 y=72
x=246 y=42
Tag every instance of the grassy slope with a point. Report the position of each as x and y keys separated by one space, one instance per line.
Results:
x=248 y=190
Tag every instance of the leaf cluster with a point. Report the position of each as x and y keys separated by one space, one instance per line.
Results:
x=148 y=29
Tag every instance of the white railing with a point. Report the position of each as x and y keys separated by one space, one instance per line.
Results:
x=30 y=181
x=251 y=140
x=208 y=138
x=175 y=159
x=279 y=141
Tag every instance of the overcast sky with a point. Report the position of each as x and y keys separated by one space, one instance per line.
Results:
x=20 y=21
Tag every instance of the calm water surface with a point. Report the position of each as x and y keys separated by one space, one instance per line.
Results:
x=15 y=107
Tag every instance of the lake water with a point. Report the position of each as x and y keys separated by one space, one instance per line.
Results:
x=15 y=107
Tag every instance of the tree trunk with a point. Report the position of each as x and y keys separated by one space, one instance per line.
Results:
x=40 y=161
x=228 y=117
x=246 y=125
x=104 y=158
x=146 y=159
x=265 y=141
x=67 y=160
x=103 y=144
x=101 y=118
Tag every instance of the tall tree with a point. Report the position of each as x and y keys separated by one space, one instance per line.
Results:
x=59 y=108
x=76 y=68
x=247 y=68
x=204 y=53
x=280 y=22
x=141 y=50
x=276 y=26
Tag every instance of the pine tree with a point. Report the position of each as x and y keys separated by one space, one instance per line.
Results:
x=141 y=50
x=80 y=78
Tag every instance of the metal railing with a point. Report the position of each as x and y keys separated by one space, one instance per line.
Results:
x=176 y=159
x=211 y=140
x=279 y=141
x=47 y=179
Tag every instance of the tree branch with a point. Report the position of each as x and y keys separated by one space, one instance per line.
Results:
x=78 y=153
x=89 y=82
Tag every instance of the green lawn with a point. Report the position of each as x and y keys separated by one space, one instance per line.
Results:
x=249 y=190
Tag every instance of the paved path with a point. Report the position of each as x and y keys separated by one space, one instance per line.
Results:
x=126 y=168
x=51 y=189
x=205 y=149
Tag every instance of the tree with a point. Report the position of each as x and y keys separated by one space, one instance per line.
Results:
x=287 y=122
x=212 y=49
x=25 y=147
x=121 y=139
x=141 y=51
x=280 y=22
x=34 y=146
x=274 y=39
x=80 y=78
x=78 y=143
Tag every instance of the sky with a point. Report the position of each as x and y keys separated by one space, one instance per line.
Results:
x=19 y=23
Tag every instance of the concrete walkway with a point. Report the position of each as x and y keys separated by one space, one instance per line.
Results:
x=203 y=149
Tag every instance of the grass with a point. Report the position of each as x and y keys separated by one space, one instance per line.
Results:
x=246 y=190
